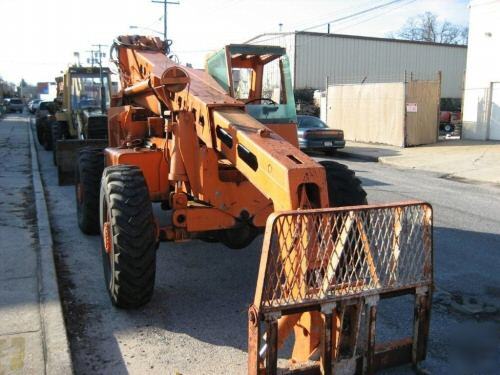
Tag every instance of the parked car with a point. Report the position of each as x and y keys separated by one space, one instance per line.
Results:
x=314 y=134
x=33 y=105
x=44 y=117
x=3 y=107
x=15 y=105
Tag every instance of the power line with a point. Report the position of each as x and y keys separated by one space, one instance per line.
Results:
x=340 y=19
x=155 y=21
x=303 y=22
x=376 y=15
x=354 y=14
x=402 y=3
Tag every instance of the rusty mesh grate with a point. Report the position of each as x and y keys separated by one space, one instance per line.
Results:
x=316 y=256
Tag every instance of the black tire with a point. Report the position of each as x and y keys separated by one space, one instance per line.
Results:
x=58 y=133
x=47 y=136
x=88 y=173
x=344 y=188
x=39 y=132
x=129 y=268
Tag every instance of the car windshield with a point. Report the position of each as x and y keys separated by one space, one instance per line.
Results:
x=16 y=101
x=309 y=122
x=88 y=103
x=86 y=91
x=44 y=105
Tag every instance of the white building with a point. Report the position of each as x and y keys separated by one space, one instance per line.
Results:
x=316 y=57
x=481 y=104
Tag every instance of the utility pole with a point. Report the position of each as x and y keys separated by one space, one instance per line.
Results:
x=165 y=3
x=101 y=78
x=92 y=59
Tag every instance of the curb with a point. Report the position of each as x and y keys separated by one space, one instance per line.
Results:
x=56 y=346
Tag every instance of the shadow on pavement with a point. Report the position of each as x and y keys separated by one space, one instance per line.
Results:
x=203 y=290
x=207 y=298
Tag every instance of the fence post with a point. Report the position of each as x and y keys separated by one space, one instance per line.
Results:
x=326 y=100
x=405 y=115
x=439 y=76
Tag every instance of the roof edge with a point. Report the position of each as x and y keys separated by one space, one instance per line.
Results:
x=349 y=36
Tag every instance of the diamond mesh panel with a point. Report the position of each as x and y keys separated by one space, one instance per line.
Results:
x=329 y=254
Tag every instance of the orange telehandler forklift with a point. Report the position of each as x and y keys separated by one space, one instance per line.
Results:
x=218 y=148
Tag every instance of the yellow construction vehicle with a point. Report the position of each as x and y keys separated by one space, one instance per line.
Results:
x=218 y=148
x=81 y=121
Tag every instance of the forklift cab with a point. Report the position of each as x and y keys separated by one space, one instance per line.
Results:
x=260 y=77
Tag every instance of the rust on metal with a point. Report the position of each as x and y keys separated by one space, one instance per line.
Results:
x=326 y=339
x=349 y=258
x=254 y=361
x=340 y=261
x=370 y=350
x=107 y=237
x=272 y=344
x=218 y=167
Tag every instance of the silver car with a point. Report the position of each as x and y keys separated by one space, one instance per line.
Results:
x=315 y=135
x=15 y=105
x=33 y=105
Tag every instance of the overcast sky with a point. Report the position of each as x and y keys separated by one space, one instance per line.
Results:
x=40 y=36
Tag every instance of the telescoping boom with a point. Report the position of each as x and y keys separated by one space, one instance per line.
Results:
x=218 y=148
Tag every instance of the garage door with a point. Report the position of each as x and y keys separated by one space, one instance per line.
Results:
x=495 y=112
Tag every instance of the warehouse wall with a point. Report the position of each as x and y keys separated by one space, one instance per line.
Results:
x=372 y=113
x=348 y=59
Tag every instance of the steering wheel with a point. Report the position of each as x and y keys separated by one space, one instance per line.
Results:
x=256 y=99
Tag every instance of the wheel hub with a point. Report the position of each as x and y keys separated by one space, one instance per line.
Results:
x=106 y=234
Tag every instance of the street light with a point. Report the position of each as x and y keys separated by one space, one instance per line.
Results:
x=145 y=28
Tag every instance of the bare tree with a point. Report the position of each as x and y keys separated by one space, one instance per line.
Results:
x=426 y=27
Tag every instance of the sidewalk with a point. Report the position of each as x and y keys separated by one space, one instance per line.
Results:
x=477 y=161
x=32 y=333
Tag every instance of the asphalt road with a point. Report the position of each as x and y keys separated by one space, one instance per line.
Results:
x=196 y=322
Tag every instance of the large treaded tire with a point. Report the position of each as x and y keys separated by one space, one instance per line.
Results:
x=130 y=266
x=47 y=141
x=58 y=133
x=344 y=188
x=39 y=132
x=88 y=173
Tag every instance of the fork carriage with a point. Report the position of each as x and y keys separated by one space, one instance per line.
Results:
x=333 y=266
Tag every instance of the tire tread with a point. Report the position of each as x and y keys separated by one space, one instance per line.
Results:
x=134 y=236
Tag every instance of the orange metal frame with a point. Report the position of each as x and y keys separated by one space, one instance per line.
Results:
x=211 y=162
x=208 y=158
x=208 y=147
